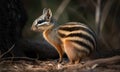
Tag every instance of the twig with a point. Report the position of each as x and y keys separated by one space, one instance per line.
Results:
x=98 y=16
x=94 y=63
x=101 y=16
x=18 y=58
x=103 y=61
x=7 y=51
x=61 y=9
x=105 y=13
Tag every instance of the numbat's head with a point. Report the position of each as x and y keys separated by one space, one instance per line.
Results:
x=43 y=22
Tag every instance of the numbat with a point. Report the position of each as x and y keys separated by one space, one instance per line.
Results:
x=75 y=39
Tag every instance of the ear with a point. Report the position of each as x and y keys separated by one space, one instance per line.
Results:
x=44 y=10
x=48 y=14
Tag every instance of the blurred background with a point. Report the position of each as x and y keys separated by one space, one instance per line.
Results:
x=103 y=16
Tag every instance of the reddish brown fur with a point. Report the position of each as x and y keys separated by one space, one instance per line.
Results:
x=68 y=38
x=73 y=54
x=54 y=43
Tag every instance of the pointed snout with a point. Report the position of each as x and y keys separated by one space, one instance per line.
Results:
x=34 y=27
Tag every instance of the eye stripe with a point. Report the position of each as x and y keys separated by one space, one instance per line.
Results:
x=40 y=21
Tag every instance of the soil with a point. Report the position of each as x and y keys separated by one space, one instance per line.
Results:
x=53 y=66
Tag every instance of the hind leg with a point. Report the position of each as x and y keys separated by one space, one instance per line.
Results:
x=81 y=55
x=77 y=61
x=70 y=51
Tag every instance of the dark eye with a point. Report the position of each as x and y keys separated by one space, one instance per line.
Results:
x=41 y=21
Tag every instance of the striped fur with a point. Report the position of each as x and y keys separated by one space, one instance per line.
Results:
x=75 y=39
x=79 y=34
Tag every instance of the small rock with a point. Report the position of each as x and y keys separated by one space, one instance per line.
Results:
x=59 y=66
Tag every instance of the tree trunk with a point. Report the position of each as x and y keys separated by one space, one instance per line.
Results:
x=12 y=20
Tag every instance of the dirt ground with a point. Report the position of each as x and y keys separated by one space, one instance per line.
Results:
x=53 y=66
